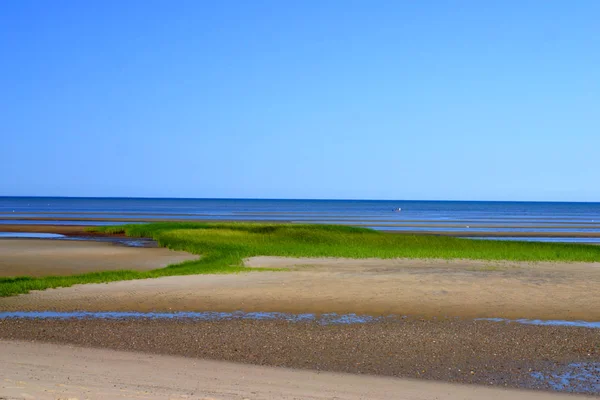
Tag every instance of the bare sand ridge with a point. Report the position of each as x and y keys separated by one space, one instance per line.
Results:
x=48 y=371
x=427 y=288
x=38 y=257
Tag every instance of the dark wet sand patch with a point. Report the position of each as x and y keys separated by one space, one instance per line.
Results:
x=445 y=349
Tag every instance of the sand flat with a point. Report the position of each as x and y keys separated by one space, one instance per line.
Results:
x=39 y=257
x=427 y=288
x=50 y=371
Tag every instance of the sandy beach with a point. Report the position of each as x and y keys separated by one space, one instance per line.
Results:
x=34 y=370
x=428 y=288
x=438 y=341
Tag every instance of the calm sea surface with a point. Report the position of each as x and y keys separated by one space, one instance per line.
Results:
x=455 y=216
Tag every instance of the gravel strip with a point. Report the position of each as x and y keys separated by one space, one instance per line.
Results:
x=452 y=350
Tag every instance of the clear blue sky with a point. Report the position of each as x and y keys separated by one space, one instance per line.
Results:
x=480 y=100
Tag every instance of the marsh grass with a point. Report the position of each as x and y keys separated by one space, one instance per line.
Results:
x=223 y=246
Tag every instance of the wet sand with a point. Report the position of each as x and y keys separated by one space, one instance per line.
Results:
x=429 y=288
x=39 y=257
x=32 y=370
x=451 y=350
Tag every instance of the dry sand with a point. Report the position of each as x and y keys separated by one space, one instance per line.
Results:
x=405 y=287
x=39 y=257
x=47 y=371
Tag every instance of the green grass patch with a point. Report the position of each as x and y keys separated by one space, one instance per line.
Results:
x=223 y=246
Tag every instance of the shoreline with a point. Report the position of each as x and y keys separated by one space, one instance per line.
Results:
x=334 y=221
x=81 y=230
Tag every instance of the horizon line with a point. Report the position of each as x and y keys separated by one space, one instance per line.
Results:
x=292 y=199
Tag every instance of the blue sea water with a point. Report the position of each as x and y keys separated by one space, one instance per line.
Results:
x=439 y=211
x=401 y=215
x=574 y=378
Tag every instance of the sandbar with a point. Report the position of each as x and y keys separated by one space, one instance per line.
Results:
x=428 y=288
x=40 y=257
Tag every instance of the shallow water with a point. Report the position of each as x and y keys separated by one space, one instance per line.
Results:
x=575 y=378
x=129 y=242
x=539 y=239
x=503 y=229
x=77 y=223
x=551 y=322
x=31 y=235
x=325 y=319
x=124 y=241
x=330 y=318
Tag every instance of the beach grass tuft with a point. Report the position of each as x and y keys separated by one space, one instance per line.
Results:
x=224 y=246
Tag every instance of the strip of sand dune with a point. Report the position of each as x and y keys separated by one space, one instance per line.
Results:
x=47 y=371
x=428 y=288
x=38 y=257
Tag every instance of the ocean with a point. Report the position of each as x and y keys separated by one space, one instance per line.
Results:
x=549 y=221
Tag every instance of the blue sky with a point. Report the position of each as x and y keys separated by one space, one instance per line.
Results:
x=473 y=100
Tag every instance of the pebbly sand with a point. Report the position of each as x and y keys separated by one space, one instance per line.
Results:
x=33 y=370
x=481 y=352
